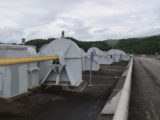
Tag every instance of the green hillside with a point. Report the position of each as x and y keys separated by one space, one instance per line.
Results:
x=85 y=45
x=112 y=43
x=145 y=45
x=39 y=42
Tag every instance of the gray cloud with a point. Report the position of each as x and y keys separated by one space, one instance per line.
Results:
x=82 y=19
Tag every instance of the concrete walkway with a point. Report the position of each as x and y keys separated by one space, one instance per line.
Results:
x=145 y=94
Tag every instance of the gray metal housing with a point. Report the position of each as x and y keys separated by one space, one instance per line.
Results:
x=17 y=79
x=69 y=69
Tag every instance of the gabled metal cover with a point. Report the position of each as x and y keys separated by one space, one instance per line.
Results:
x=69 y=57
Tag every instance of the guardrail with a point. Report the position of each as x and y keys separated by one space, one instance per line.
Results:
x=122 y=108
x=11 y=61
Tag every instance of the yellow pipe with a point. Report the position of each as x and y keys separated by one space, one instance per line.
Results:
x=11 y=61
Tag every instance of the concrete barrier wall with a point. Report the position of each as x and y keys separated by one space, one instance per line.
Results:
x=123 y=105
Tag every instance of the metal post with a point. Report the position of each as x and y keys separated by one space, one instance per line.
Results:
x=91 y=59
x=62 y=34
x=90 y=80
x=23 y=41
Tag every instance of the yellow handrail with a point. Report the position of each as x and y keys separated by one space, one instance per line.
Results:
x=11 y=61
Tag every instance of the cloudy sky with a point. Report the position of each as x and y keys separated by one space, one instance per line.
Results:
x=82 y=19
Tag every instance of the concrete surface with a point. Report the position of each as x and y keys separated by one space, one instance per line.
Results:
x=145 y=92
x=57 y=104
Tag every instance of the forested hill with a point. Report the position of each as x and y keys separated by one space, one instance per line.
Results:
x=85 y=45
x=145 y=45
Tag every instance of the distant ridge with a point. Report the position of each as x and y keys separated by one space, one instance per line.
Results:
x=112 y=42
x=143 y=45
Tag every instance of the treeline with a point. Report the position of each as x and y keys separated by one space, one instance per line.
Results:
x=146 y=45
x=84 y=45
x=102 y=45
x=39 y=42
